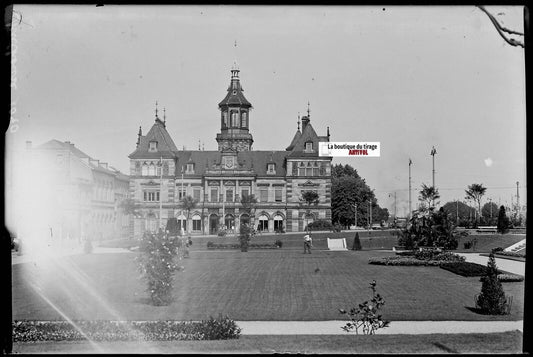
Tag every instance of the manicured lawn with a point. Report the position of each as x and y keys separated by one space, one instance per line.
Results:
x=258 y=285
x=487 y=242
x=507 y=342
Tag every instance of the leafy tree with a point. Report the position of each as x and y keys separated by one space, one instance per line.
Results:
x=248 y=203
x=188 y=204
x=428 y=195
x=492 y=299
x=489 y=212
x=310 y=198
x=172 y=226
x=465 y=212
x=347 y=189
x=475 y=193
x=130 y=206
x=503 y=221
x=430 y=229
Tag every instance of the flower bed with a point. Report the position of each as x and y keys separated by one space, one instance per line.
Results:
x=211 y=245
x=399 y=260
x=510 y=278
x=221 y=328
x=510 y=254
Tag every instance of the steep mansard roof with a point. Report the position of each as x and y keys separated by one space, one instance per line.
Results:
x=235 y=95
x=165 y=144
x=297 y=147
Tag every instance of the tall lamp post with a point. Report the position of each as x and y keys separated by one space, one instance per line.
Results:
x=433 y=152
x=410 y=209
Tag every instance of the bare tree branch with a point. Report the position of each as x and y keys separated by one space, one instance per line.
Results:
x=502 y=29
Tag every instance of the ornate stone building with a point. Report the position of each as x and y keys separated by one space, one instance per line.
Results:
x=160 y=175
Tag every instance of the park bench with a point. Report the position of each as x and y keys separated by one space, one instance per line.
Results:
x=488 y=229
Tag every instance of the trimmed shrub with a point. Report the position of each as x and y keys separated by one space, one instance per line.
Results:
x=467 y=269
x=492 y=299
x=467 y=245
x=356 y=242
x=211 y=245
x=497 y=249
x=221 y=328
x=278 y=243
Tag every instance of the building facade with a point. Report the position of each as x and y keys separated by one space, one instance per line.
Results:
x=161 y=175
x=79 y=196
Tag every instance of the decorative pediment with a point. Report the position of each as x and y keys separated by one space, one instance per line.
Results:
x=245 y=183
x=309 y=183
x=213 y=183
x=278 y=185
x=150 y=183
x=229 y=183
x=263 y=185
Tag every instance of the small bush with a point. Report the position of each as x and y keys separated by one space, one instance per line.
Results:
x=320 y=225
x=210 y=244
x=467 y=245
x=222 y=233
x=238 y=246
x=402 y=261
x=278 y=243
x=497 y=249
x=220 y=328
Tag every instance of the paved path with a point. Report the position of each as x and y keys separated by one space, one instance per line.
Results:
x=396 y=327
x=512 y=266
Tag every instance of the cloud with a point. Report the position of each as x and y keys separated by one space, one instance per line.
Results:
x=488 y=162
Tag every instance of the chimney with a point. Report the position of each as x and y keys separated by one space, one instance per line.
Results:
x=305 y=121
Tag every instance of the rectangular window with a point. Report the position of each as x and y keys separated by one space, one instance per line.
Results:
x=229 y=195
x=271 y=169
x=315 y=171
x=190 y=169
x=301 y=171
x=196 y=193
x=308 y=146
x=181 y=193
x=153 y=146
x=214 y=195
x=263 y=195
x=151 y=196
x=196 y=225
x=244 y=192
x=277 y=194
x=309 y=171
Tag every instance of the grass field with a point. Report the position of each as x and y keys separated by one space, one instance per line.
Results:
x=258 y=285
x=507 y=343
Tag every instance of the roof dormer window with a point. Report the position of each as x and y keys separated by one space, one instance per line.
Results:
x=309 y=146
x=190 y=169
x=152 y=146
x=271 y=169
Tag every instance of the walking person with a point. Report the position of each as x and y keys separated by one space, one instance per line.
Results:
x=308 y=243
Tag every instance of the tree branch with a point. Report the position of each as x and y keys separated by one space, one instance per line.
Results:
x=502 y=29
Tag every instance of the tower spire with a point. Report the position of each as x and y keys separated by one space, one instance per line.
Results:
x=298 y=120
x=328 y=133
x=165 y=116
x=156 y=110
x=139 y=136
x=308 y=110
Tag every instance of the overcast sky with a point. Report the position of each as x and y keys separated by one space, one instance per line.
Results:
x=408 y=77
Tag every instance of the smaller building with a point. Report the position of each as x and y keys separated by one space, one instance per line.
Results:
x=76 y=197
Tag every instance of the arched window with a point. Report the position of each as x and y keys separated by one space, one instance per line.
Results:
x=224 y=119
x=234 y=119
x=263 y=223
x=278 y=223
x=196 y=223
x=244 y=121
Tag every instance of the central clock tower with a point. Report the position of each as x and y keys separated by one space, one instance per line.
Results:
x=235 y=118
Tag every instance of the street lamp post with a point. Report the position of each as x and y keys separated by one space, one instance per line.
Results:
x=433 y=152
x=410 y=209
